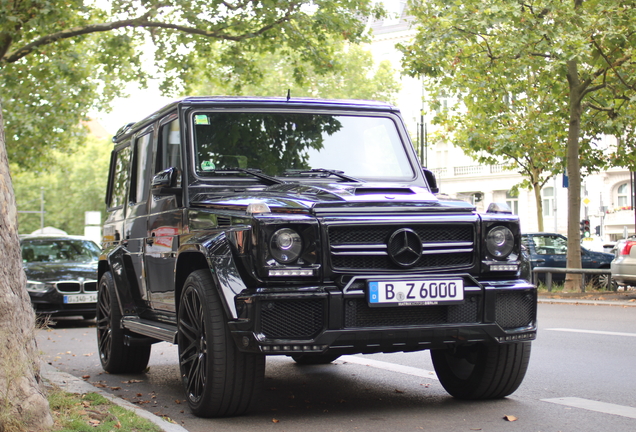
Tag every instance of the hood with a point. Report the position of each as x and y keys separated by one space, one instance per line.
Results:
x=56 y=272
x=313 y=197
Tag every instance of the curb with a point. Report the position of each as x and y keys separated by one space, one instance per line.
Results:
x=72 y=384
x=589 y=302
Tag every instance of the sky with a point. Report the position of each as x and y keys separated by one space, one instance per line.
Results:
x=140 y=104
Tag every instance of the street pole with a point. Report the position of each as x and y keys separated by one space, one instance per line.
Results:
x=42 y=209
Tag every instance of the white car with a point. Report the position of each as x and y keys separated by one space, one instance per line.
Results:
x=624 y=264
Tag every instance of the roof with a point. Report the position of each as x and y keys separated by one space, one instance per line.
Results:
x=258 y=101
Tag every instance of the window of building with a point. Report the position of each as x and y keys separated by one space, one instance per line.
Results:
x=622 y=198
x=548 y=201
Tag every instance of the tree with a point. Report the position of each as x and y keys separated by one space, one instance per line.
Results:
x=72 y=185
x=59 y=61
x=570 y=66
x=352 y=76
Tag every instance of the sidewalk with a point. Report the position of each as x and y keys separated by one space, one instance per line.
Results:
x=620 y=298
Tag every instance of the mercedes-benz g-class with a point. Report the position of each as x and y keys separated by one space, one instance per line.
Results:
x=240 y=228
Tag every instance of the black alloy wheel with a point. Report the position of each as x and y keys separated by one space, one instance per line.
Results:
x=114 y=354
x=218 y=379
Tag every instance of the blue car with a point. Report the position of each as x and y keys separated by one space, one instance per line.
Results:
x=550 y=250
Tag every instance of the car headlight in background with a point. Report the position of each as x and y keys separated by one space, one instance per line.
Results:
x=38 y=287
x=500 y=242
x=286 y=245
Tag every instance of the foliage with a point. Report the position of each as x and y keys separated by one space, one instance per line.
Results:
x=58 y=63
x=352 y=75
x=72 y=184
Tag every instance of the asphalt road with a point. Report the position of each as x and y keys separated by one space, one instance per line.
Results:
x=582 y=377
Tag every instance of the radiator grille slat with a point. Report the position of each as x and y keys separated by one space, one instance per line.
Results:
x=444 y=246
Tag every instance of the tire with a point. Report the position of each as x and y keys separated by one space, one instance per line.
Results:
x=218 y=379
x=314 y=359
x=114 y=354
x=482 y=371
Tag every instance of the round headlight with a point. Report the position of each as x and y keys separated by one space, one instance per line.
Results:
x=500 y=242
x=285 y=245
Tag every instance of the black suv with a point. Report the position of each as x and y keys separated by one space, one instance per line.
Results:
x=245 y=227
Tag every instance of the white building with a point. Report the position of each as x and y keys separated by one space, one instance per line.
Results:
x=606 y=196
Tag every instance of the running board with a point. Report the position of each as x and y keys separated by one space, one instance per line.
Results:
x=153 y=329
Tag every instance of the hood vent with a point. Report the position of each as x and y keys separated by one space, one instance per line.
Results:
x=384 y=191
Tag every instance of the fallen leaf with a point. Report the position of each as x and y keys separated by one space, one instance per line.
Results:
x=398 y=391
x=275 y=421
x=86 y=377
x=115 y=388
x=510 y=418
x=177 y=401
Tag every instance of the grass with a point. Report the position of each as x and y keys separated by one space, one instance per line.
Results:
x=94 y=413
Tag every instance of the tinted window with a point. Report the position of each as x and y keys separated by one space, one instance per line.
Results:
x=119 y=177
x=169 y=150
x=279 y=142
x=140 y=178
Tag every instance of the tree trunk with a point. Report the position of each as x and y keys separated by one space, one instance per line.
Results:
x=23 y=405
x=536 y=188
x=573 y=281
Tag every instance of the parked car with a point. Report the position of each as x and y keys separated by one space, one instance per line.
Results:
x=624 y=264
x=241 y=228
x=550 y=250
x=61 y=274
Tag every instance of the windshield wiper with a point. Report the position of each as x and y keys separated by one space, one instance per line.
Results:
x=328 y=172
x=251 y=171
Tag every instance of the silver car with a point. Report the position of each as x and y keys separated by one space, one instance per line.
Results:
x=624 y=264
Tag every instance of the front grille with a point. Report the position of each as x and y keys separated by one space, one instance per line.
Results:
x=358 y=314
x=292 y=319
x=515 y=309
x=76 y=286
x=444 y=246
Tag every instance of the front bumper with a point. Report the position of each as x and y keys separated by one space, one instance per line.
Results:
x=329 y=319
x=52 y=303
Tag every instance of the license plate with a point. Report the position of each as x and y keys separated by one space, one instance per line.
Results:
x=416 y=292
x=80 y=298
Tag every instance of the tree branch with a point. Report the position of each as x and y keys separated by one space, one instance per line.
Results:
x=143 y=22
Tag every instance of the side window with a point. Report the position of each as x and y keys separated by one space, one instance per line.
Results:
x=120 y=162
x=169 y=149
x=139 y=182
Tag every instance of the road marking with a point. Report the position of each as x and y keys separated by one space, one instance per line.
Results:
x=593 y=332
x=408 y=370
x=590 y=405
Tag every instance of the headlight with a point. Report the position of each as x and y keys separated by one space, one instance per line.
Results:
x=285 y=245
x=37 y=287
x=500 y=242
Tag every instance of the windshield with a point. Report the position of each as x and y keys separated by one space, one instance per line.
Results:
x=289 y=143
x=82 y=251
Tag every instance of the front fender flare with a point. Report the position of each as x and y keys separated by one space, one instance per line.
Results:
x=218 y=255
